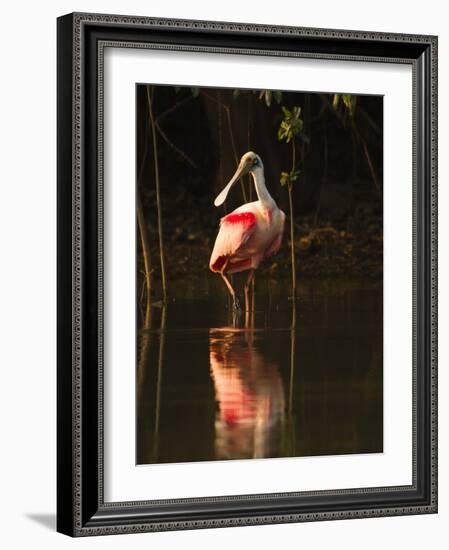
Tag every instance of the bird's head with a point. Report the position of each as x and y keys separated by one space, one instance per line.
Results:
x=249 y=163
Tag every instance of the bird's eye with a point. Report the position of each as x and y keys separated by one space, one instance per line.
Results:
x=255 y=161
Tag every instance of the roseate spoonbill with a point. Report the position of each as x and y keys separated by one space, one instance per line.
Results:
x=249 y=234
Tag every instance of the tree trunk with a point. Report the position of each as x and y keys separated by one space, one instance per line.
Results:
x=145 y=242
x=292 y=224
x=158 y=196
x=292 y=242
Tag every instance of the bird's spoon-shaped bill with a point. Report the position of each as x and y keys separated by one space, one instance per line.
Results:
x=241 y=171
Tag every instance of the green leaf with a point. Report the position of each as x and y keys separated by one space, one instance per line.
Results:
x=288 y=178
x=195 y=91
x=284 y=179
x=294 y=176
x=291 y=125
x=277 y=96
x=297 y=125
x=350 y=101
x=283 y=130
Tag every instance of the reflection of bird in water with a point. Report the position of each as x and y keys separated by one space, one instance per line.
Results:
x=249 y=234
x=250 y=396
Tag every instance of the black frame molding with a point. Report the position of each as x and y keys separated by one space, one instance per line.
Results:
x=81 y=510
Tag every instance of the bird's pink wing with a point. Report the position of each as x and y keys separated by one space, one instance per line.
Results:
x=235 y=230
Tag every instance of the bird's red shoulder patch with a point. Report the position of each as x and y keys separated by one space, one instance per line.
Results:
x=247 y=219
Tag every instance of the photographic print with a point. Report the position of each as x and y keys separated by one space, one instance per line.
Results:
x=259 y=265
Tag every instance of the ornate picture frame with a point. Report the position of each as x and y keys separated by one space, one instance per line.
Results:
x=81 y=507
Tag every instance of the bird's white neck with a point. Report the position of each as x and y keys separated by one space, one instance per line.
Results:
x=261 y=189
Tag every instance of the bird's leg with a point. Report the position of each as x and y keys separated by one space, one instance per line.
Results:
x=247 y=299
x=247 y=286
x=236 y=304
x=236 y=317
x=253 y=299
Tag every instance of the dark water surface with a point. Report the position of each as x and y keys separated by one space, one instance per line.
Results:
x=209 y=390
